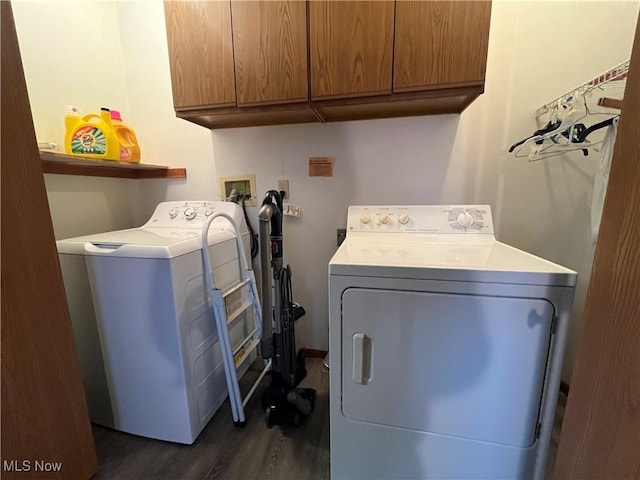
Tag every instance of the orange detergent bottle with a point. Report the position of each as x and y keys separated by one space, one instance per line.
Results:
x=129 y=148
x=91 y=136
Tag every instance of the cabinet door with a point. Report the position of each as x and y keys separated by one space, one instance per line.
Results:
x=200 y=53
x=351 y=48
x=440 y=42
x=270 y=48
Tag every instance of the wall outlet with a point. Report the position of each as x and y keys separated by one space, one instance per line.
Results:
x=342 y=235
x=244 y=184
x=283 y=186
x=291 y=210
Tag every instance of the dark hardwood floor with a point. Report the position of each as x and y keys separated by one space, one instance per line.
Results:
x=254 y=452
x=223 y=451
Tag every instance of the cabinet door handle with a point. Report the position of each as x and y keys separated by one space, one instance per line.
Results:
x=357 y=371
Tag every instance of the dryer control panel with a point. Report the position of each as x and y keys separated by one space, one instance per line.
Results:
x=192 y=214
x=425 y=219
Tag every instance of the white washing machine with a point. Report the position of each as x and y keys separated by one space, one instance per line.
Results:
x=446 y=347
x=148 y=346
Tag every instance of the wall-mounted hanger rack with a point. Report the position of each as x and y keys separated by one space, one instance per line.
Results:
x=564 y=124
x=615 y=74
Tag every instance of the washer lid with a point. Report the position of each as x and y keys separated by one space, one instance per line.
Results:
x=492 y=262
x=143 y=242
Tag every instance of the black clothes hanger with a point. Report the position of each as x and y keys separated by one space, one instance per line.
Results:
x=575 y=132
x=579 y=133
x=579 y=136
x=582 y=136
x=549 y=127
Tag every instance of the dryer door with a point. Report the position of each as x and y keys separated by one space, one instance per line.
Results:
x=462 y=365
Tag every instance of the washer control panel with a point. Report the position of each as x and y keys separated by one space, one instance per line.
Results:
x=426 y=219
x=189 y=214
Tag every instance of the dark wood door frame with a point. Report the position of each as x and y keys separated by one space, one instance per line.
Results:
x=44 y=411
x=601 y=434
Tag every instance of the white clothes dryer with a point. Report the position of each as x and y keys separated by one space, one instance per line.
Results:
x=446 y=347
x=146 y=337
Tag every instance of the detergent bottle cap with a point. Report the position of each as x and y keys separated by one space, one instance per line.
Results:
x=115 y=115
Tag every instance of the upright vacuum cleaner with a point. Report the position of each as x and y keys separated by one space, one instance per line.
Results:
x=282 y=401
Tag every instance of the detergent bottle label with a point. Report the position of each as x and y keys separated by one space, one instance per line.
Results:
x=125 y=153
x=89 y=139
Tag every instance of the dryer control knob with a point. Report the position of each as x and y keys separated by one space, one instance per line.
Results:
x=365 y=218
x=208 y=212
x=403 y=219
x=190 y=213
x=173 y=213
x=384 y=218
x=465 y=219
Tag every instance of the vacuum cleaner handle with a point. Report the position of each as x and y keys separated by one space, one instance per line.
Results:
x=273 y=198
x=270 y=215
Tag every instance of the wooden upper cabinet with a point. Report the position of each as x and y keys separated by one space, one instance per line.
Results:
x=200 y=53
x=241 y=63
x=270 y=48
x=351 y=45
x=439 y=43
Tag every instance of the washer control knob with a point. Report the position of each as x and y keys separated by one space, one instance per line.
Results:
x=208 y=212
x=190 y=213
x=384 y=218
x=365 y=218
x=403 y=219
x=173 y=213
x=465 y=219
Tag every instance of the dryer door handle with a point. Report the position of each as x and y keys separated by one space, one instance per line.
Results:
x=357 y=371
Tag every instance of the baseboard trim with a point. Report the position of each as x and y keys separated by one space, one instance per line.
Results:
x=313 y=353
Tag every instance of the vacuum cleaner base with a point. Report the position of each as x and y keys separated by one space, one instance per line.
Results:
x=290 y=409
x=283 y=403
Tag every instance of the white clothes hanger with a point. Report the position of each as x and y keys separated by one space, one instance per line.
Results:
x=560 y=140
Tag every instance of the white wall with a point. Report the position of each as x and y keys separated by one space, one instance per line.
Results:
x=536 y=55
x=165 y=139
x=398 y=161
x=108 y=53
x=71 y=56
x=537 y=51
